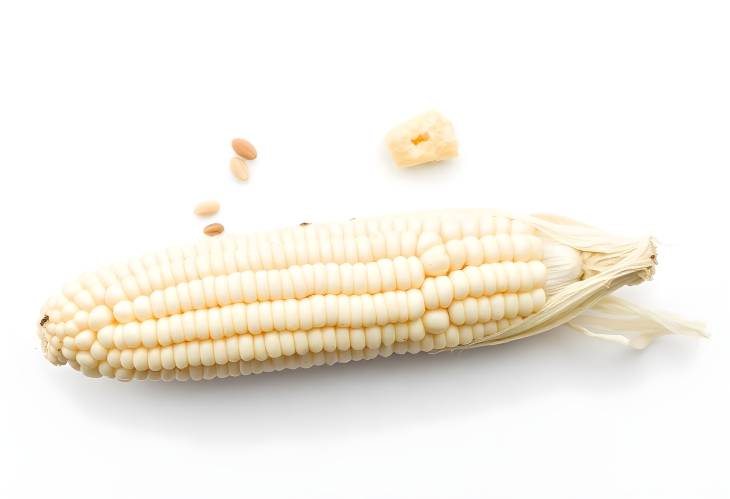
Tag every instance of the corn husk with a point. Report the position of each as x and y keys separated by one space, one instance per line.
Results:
x=587 y=305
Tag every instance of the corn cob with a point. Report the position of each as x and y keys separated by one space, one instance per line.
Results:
x=331 y=293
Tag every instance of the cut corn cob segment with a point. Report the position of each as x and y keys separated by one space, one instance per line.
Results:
x=322 y=294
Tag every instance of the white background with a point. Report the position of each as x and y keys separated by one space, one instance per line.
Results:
x=115 y=119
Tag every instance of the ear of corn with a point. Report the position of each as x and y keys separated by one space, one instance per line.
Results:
x=324 y=294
